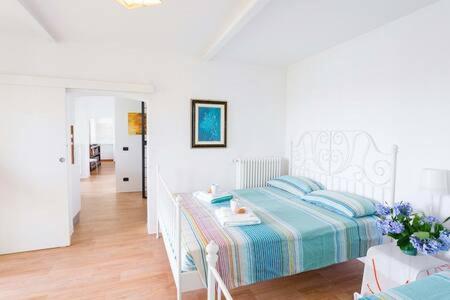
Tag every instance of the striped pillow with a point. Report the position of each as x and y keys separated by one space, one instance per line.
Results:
x=348 y=204
x=299 y=186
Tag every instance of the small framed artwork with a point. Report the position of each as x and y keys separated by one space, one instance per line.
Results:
x=209 y=124
x=134 y=123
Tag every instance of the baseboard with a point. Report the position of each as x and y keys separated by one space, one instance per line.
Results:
x=76 y=219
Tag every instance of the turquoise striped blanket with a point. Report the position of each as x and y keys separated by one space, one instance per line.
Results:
x=433 y=287
x=294 y=236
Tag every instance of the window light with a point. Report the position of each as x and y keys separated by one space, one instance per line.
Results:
x=130 y=4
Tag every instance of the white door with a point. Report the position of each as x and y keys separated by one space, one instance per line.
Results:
x=33 y=169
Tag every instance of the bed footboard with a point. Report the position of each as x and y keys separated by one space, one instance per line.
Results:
x=216 y=286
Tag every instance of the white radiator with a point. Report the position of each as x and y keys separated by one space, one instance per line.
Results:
x=256 y=172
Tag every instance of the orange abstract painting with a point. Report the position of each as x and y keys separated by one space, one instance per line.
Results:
x=134 y=123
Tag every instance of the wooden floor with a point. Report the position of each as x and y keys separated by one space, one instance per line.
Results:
x=112 y=257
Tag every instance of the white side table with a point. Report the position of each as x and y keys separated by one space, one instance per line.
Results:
x=386 y=266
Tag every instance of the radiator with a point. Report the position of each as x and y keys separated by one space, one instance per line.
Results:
x=256 y=172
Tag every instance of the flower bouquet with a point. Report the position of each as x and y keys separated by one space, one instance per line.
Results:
x=414 y=232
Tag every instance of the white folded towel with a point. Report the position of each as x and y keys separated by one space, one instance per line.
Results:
x=227 y=218
x=213 y=198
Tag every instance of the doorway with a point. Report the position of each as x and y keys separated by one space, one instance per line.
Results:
x=109 y=142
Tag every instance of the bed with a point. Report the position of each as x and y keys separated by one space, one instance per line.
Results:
x=294 y=236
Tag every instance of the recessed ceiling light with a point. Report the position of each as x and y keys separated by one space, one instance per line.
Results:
x=130 y=4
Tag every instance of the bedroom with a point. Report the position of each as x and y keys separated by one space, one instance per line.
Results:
x=378 y=67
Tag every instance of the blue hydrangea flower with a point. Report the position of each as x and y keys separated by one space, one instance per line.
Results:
x=383 y=226
x=431 y=219
x=416 y=242
x=388 y=226
x=382 y=210
x=426 y=246
x=431 y=247
x=402 y=209
x=396 y=227
x=444 y=238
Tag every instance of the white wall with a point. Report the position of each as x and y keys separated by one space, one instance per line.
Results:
x=107 y=151
x=255 y=98
x=128 y=163
x=393 y=82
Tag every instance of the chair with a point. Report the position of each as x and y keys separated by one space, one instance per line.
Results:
x=94 y=160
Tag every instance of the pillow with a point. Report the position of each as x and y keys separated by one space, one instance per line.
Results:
x=348 y=204
x=296 y=185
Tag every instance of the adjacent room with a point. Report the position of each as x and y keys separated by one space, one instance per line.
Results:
x=226 y=149
x=108 y=147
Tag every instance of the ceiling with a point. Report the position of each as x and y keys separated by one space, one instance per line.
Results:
x=184 y=26
x=286 y=31
x=267 y=32
x=16 y=22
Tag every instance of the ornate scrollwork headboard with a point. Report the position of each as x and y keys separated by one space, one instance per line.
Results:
x=346 y=161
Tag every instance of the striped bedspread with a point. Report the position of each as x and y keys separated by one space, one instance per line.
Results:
x=434 y=287
x=294 y=236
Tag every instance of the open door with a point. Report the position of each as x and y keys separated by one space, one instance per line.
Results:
x=33 y=169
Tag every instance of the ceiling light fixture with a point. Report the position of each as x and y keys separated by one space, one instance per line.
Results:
x=130 y=4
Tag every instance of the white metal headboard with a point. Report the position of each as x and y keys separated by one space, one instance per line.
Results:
x=346 y=161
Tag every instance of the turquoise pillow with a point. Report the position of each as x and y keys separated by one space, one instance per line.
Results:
x=348 y=204
x=299 y=186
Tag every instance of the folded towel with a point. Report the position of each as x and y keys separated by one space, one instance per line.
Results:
x=227 y=218
x=213 y=198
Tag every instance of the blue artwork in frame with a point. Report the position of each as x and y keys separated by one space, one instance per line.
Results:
x=209 y=123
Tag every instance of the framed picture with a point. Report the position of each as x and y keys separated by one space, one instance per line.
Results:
x=136 y=123
x=209 y=123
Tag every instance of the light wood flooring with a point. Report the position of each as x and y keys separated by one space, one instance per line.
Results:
x=112 y=257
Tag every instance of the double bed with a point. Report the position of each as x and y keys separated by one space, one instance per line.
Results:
x=294 y=235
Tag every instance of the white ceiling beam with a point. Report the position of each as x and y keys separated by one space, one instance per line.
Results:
x=249 y=12
x=38 y=21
